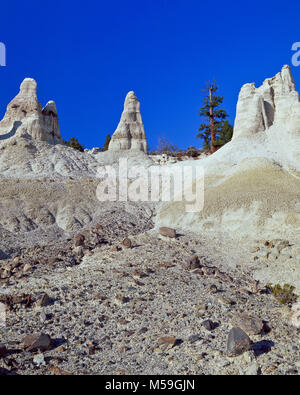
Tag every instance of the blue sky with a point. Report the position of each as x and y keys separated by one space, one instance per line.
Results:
x=87 y=55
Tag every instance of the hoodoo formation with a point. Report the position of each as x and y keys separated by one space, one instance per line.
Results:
x=25 y=117
x=130 y=133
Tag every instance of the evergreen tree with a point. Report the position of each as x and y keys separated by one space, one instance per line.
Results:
x=225 y=134
x=74 y=143
x=106 y=144
x=210 y=131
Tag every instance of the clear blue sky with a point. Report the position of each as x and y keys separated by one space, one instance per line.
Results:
x=86 y=55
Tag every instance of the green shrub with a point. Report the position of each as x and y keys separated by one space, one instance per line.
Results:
x=285 y=294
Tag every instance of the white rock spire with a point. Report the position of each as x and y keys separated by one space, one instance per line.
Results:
x=273 y=103
x=25 y=116
x=130 y=133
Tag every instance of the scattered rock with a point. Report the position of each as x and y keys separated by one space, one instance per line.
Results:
x=27 y=268
x=295 y=316
x=238 y=342
x=194 y=338
x=167 y=341
x=79 y=252
x=3 y=350
x=43 y=300
x=167 y=232
x=43 y=316
x=39 y=360
x=213 y=289
x=143 y=330
x=251 y=325
x=56 y=371
x=224 y=300
x=121 y=300
x=39 y=341
x=79 y=240
x=208 y=271
x=193 y=262
x=209 y=325
x=253 y=369
x=127 y=243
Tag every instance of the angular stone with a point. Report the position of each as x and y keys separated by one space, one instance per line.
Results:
x=79 y=240
x=56 y=371
x=194 y=338
x=143 y=330
x=238 y=342
x=167 y=232
x=209 y=325
x=27 y=268
x=213 y=289
x=43 y=316
x=251 y=325
x=39 y=360
x=193 y=262
x=43 y=300
x=3 y=350
x=38 y=341
x=167 y=341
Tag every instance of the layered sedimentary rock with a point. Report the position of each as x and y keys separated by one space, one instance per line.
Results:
x=25 y=116
x=276 y=103
x=130 y=133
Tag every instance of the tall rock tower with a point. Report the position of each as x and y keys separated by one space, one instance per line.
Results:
x=25 y=117
x=130 y=133
x=275 y=103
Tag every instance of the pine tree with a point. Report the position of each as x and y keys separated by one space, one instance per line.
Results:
x=74 y=143
x=225 y=134
x=107 y=141
x=210 y=131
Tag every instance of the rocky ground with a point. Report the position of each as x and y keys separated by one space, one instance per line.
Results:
x=143 y=303
x=90 y=287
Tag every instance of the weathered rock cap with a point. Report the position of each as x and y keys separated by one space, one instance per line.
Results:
x=50 y=109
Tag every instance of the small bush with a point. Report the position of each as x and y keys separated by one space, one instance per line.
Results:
x=285 y=294
x=165 y=147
